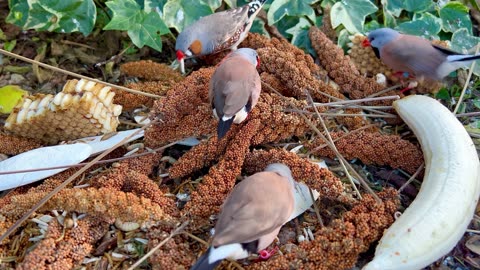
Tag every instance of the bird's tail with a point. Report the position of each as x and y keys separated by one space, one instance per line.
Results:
x=203 y=264
x=462 y=58
x=254 y=7
x=224 y=126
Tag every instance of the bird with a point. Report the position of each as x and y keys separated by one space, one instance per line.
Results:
x=415 y=55
x=234 y=88
x=251 y=216
x=216 y=32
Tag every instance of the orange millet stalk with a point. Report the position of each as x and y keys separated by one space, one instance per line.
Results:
x=373 y=148
x=342 y=70
x=13 y=145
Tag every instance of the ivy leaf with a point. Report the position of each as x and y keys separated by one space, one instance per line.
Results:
x=300 y=36
x=258 y=26
x=454 y=16
x=351 y=14
x=51 y=15
x=426 y=25
x=143 y=28
x=462 y=42
x=286 y=23
x=417 y=5
x=231 y=3
x=148 y=32
x=125 y=13
x=213 y=4
x=394 y=7
x=180 y=13
x=282 y=8
x=154 y=5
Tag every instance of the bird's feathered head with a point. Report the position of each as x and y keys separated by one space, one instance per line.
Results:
x=250 y=54
x=380 y=37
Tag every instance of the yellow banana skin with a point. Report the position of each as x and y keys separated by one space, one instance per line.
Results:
x=438 y=217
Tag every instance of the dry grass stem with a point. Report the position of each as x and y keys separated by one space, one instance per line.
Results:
x=76 y=75
x=411 y=178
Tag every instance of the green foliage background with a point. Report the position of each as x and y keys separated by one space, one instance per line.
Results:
x=146 y=21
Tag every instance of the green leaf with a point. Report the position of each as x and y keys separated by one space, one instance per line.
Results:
x=371 y=25
x=424 y=24
x=10 y=45
x=9 y=97
x=394 y=7
x=125 y=13
x=231 y=3
x=213 y=4
x=154 y=5
x=463 y=42
x=454 y=16
x=476 y=103
x=300 y=36
x=180 y=13
x=443 y=94
x=143 y=28
x=258 y=26
x=351 y=14
x=286 y=23
x=417 y=5
x=53 y=15
x=149 y=31
x=282 y=8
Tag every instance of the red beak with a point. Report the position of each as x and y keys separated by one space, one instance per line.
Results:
x=180 y=55
x=366 y=43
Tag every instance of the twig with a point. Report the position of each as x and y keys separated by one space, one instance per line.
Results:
x=68 y=42
x=315 y=129
x=86 y=163
x=196 y=238
x=344 y=136
x=385 y=90
x=468 y=114
x=351 y=105
x=460 y=99
x=28 y=60
x=315 y=207
x=411 y=178
x=367 y=99
x=19 y=222
x=334 y=148
x=172 y=234
x=344 y=114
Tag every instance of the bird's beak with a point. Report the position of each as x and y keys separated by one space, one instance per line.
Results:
x=181 y=60
x=366 y=43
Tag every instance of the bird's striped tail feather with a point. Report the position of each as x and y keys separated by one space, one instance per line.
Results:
x=254 y=7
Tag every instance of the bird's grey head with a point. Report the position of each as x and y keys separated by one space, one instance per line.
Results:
x=250 y=54
x=282 y=170
x=191 y=43
x=382 y=36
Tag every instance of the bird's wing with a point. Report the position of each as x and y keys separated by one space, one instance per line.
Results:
x=413 y=54
x=257 y=206
x=232 y=85
x=223 y=26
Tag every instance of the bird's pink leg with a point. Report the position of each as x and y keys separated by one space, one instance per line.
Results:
x=265 y=254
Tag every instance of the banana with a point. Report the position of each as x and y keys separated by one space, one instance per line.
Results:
x=438 y=217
